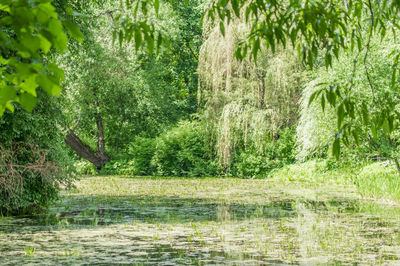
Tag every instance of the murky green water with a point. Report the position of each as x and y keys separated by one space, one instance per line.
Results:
x=205 y=221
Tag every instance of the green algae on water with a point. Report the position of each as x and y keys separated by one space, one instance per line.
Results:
x=205 y=221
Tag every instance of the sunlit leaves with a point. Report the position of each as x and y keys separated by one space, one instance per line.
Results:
x=321 y=30
x=7 y=94
x=139 y=28
x=73 y=30
x=355 y=118
x=157 y=6
x=28 y=101
x=30 y=29
x=336 y=146
x=311 y=26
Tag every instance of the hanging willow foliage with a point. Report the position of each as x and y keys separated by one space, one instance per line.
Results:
x=245 y=103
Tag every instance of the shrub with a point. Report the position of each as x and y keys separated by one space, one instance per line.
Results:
x=33 y=158
x=251 y=165
x=119 y=167
x=140 y=152
x=84 y=167
x=277 y=153
x=137 y=160
x=182 y=151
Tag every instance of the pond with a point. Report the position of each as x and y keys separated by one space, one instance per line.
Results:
x=205 y=221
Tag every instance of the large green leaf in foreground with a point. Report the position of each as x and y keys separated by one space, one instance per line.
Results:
x=29 y=29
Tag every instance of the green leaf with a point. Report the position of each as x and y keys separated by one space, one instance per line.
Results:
x=120 y=38
x=359 y=46
x=356 y=136
x=32 y=43
x=48 y=11
x=49 y=86
x=238 y=53
x=331 y=97
x=159 y=41
x=328 y=60
x=28 y=101
x=150 y=43
x=5 y=7
x=114 y=36
x=313 y=96
x=336 y=147
x=365 y=113
x=394 y=73
x=247 y=13
x=45 y=45
x=256 y=47
x=390 y=120
x=138 y=39
x=73 y=30
x=374 y=132
x=157 y=6
x=7 y=93
x=30 y=85
x=3 y=61
x=340 y=114
x=10 y=107
x=393 y=80
x=57 y=72
x=222 y=28
x=235 y=7
x=55 y=27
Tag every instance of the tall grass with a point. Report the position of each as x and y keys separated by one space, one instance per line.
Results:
x=372 y=180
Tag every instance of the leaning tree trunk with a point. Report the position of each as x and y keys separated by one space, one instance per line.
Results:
x=98 y=158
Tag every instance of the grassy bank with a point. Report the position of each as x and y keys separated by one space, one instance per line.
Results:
x=375 y=180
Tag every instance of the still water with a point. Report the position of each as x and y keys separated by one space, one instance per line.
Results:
x=205 y=221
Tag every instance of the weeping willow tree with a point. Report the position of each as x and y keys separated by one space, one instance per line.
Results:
x=245 y=103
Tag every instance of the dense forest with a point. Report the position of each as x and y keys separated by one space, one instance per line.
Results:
x=303 y=91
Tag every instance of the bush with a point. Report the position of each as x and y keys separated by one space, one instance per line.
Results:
x=137 y=160
x=33 y=158
x=119 y=167
x=182 y=151
x=84 y=167
x=277 y=153
x=141 y=151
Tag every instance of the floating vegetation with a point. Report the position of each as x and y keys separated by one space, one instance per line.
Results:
x=205 y=221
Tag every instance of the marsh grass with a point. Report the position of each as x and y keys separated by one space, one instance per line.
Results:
x=206 y=221
x=29 y=251
x=379 y=181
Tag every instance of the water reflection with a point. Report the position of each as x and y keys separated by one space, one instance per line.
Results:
x=153 y=230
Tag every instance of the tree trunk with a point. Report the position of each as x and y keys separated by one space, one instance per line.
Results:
x=101 y=150
x=84 y=150
x=98 y=158
x=396 y=162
